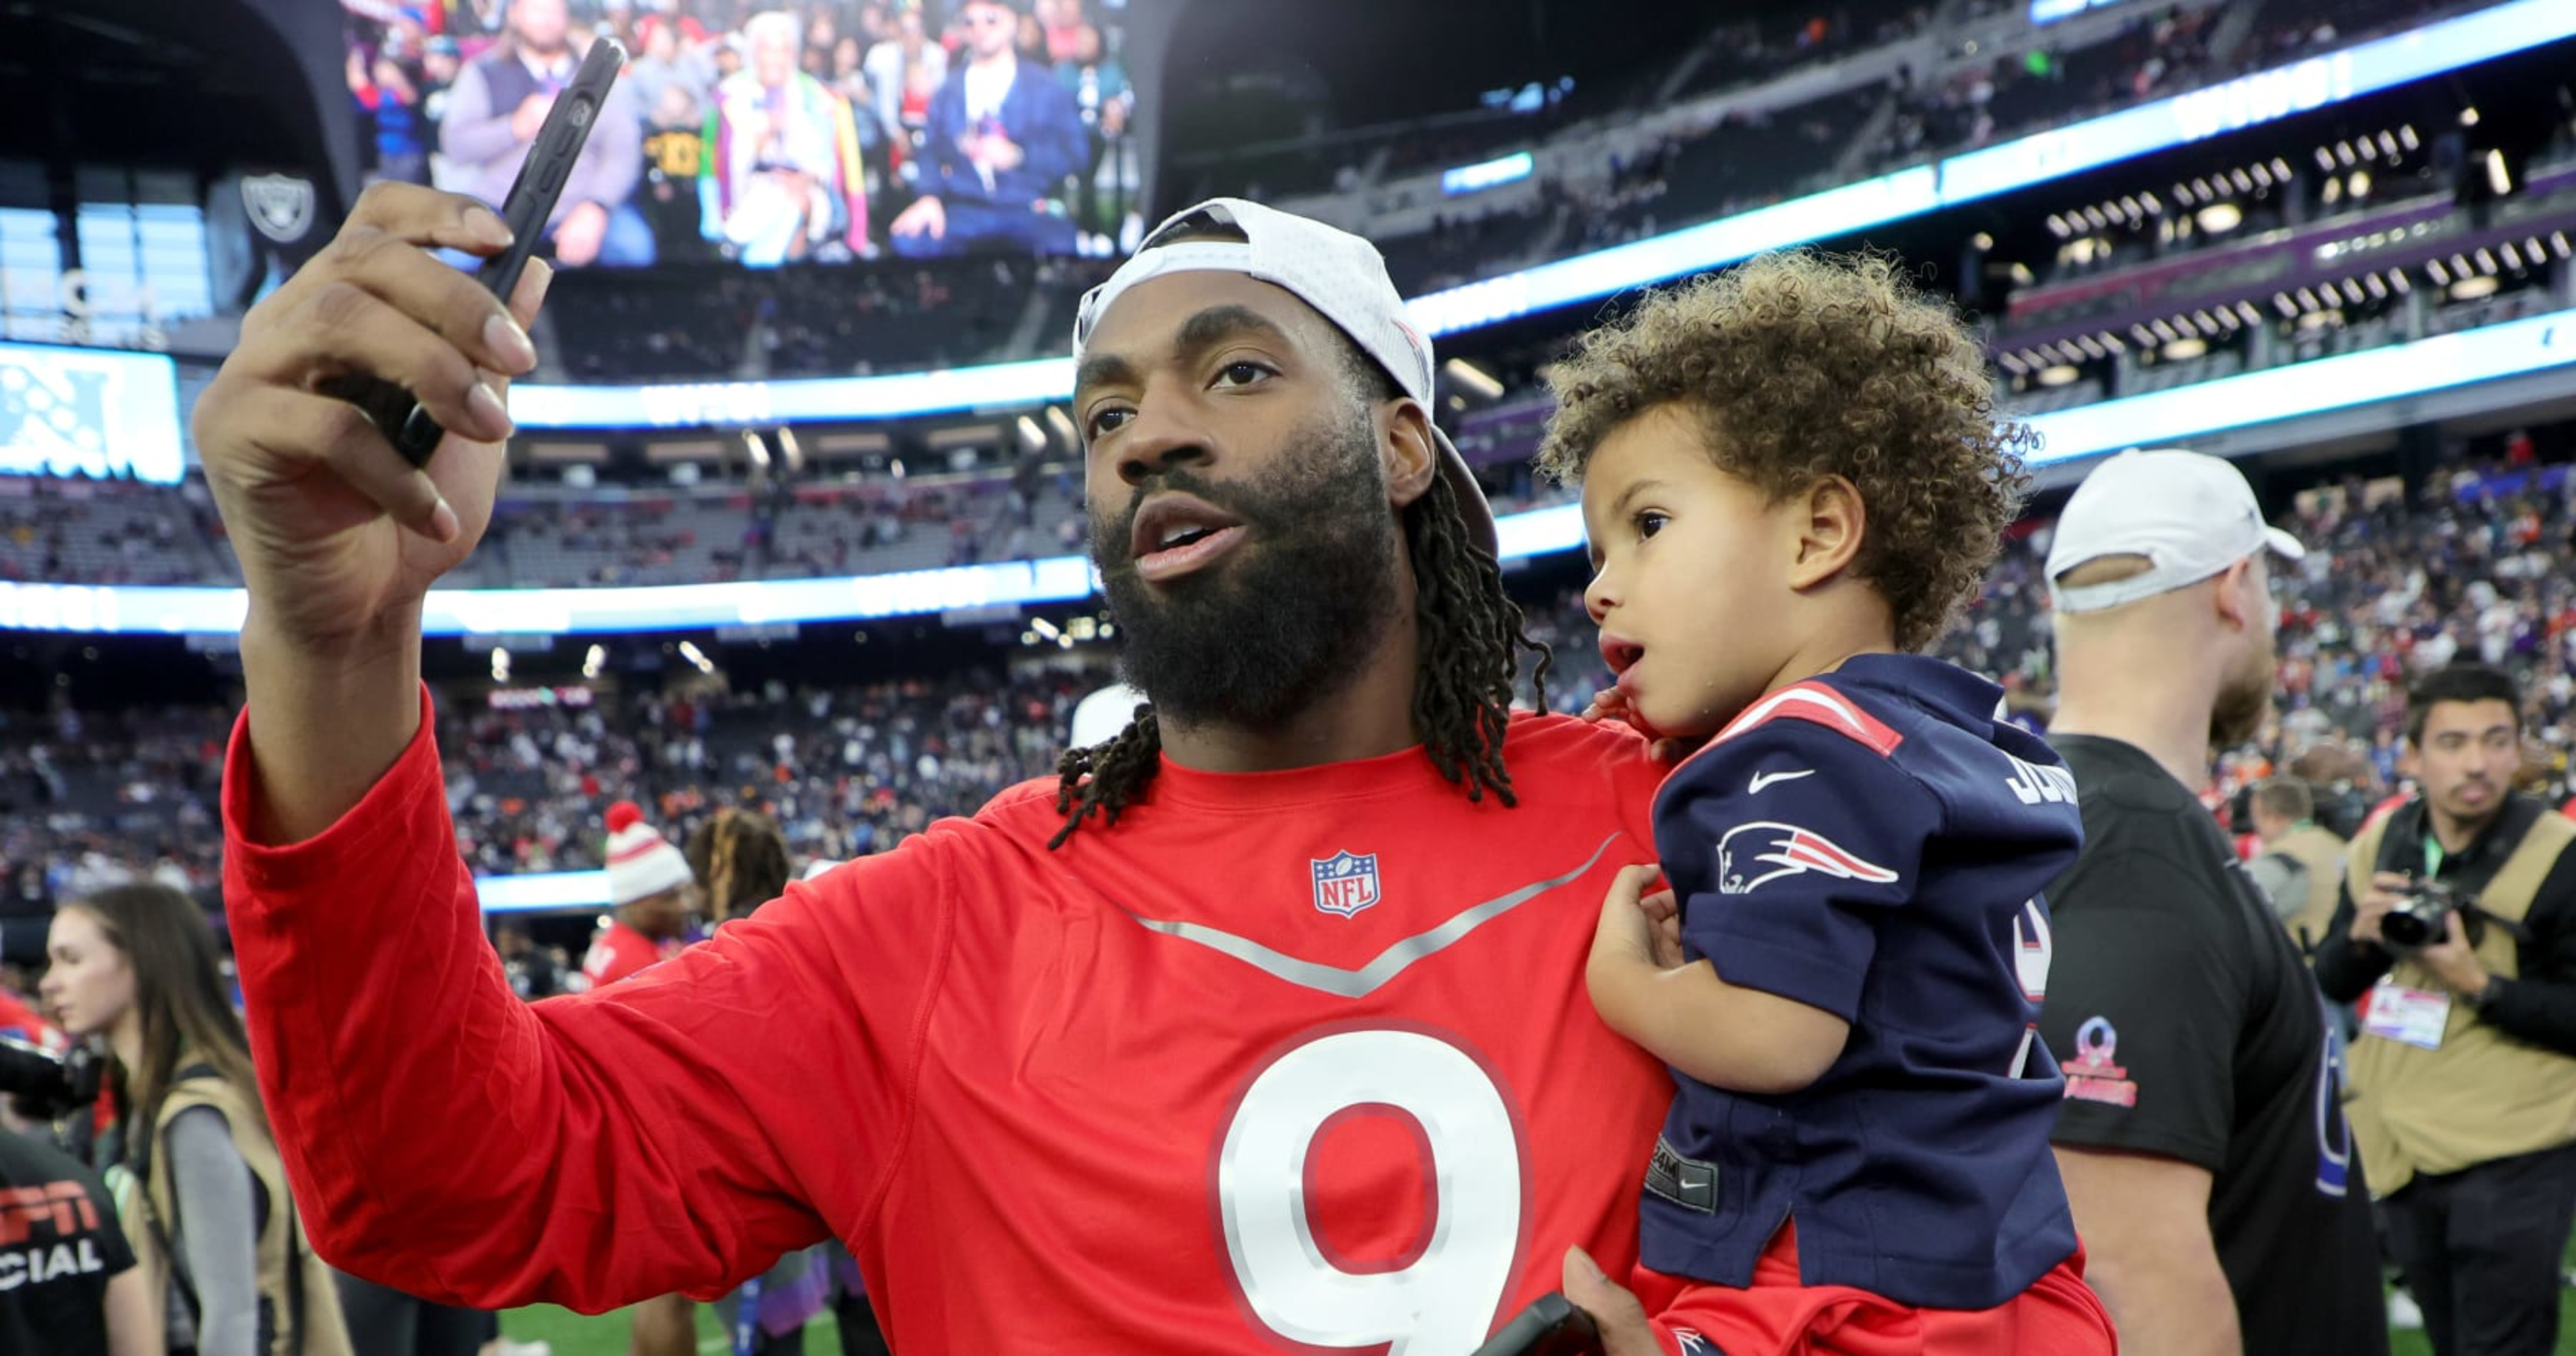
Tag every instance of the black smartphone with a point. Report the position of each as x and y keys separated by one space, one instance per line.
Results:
x=400 y=417
x=1550 y=1326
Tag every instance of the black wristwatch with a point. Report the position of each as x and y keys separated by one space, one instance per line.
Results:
x=2486 y=994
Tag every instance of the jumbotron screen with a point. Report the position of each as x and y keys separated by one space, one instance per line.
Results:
x=770 y=132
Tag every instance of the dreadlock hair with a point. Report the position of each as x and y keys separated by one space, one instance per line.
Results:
x=740 y=860
x=1471 y=636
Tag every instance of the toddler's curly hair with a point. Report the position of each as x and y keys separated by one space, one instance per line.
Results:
x=1799 y=365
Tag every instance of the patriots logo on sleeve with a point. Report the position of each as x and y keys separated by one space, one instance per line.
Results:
x=1786 y=850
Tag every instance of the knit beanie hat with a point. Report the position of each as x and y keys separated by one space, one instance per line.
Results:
x=641 y=861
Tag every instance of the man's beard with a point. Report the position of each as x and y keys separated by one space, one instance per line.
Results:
x=1290 y=615
x=2244 y=698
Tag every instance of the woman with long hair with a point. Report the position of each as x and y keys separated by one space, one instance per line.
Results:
x=202 y=1191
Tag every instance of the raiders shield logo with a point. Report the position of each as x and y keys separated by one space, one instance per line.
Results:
x=280 y=205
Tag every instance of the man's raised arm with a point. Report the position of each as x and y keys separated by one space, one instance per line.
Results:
x=440 y=1136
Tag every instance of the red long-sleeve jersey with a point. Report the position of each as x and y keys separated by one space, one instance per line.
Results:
x=1296 y=1060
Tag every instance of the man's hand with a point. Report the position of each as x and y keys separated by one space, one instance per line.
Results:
x=924 y=217
x=578 y=235
x=1622 y=1320
x=333 y=528
x=2452 y=962
x=530 y=116
x=2386 y=889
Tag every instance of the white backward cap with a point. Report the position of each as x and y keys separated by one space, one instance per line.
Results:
x=1339 y=274
x=2191 y=515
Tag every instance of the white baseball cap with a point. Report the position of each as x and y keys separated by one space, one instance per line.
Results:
x=1339 y=274
x=2191 y=515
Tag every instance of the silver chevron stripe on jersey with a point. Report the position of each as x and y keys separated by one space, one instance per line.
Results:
x=1367 y=979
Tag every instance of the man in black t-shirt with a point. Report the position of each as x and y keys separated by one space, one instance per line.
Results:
x=2202 y=1138
x=68 y=1283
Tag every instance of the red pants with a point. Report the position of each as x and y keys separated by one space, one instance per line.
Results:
x=1777 y=1316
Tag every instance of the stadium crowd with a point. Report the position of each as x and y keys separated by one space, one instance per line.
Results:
x=765 y=134
x=2482 y=565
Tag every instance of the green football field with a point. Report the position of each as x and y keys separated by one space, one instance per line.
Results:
x=574 y=1335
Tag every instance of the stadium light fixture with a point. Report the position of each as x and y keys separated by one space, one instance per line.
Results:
x=1033 y=439
x=2059 y=375
x=1062 y=423
x=2360 y=183
x=2439 y=274
x=1477 y=381
x=2221 y=217
x=2473 y=289
x=2186 y=347
x=593 y=661
x=2498 y=177
x=2469 y=116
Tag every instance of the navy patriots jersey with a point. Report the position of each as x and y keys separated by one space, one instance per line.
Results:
x=1873 y=842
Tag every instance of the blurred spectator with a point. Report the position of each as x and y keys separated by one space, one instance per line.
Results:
x=783 y=179
x=1003 y=137
x=493 y=115
x=904 y=72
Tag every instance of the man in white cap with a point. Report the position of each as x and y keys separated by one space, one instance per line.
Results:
x=1264 y=1025
x=2202 y=1140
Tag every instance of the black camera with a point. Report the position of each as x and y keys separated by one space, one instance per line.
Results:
x=2417 y=919
x=45 y=1086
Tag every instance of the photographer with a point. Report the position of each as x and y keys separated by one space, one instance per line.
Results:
x=2458 y=919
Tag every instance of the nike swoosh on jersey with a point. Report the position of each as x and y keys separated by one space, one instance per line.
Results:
x=1763 y=779
x=1367 y=979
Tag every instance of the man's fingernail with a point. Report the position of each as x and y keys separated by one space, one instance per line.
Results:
x=486 y=226
x=443 y=525
x=489 y=413
x=509 y=343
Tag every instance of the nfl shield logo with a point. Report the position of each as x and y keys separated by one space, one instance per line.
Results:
x=1345 y=882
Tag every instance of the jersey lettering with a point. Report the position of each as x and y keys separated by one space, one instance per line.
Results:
x=1445 y=1301
x=2032 y=784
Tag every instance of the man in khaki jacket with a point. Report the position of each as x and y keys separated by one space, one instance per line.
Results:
x=2464 y=1078
x=2301 y=867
